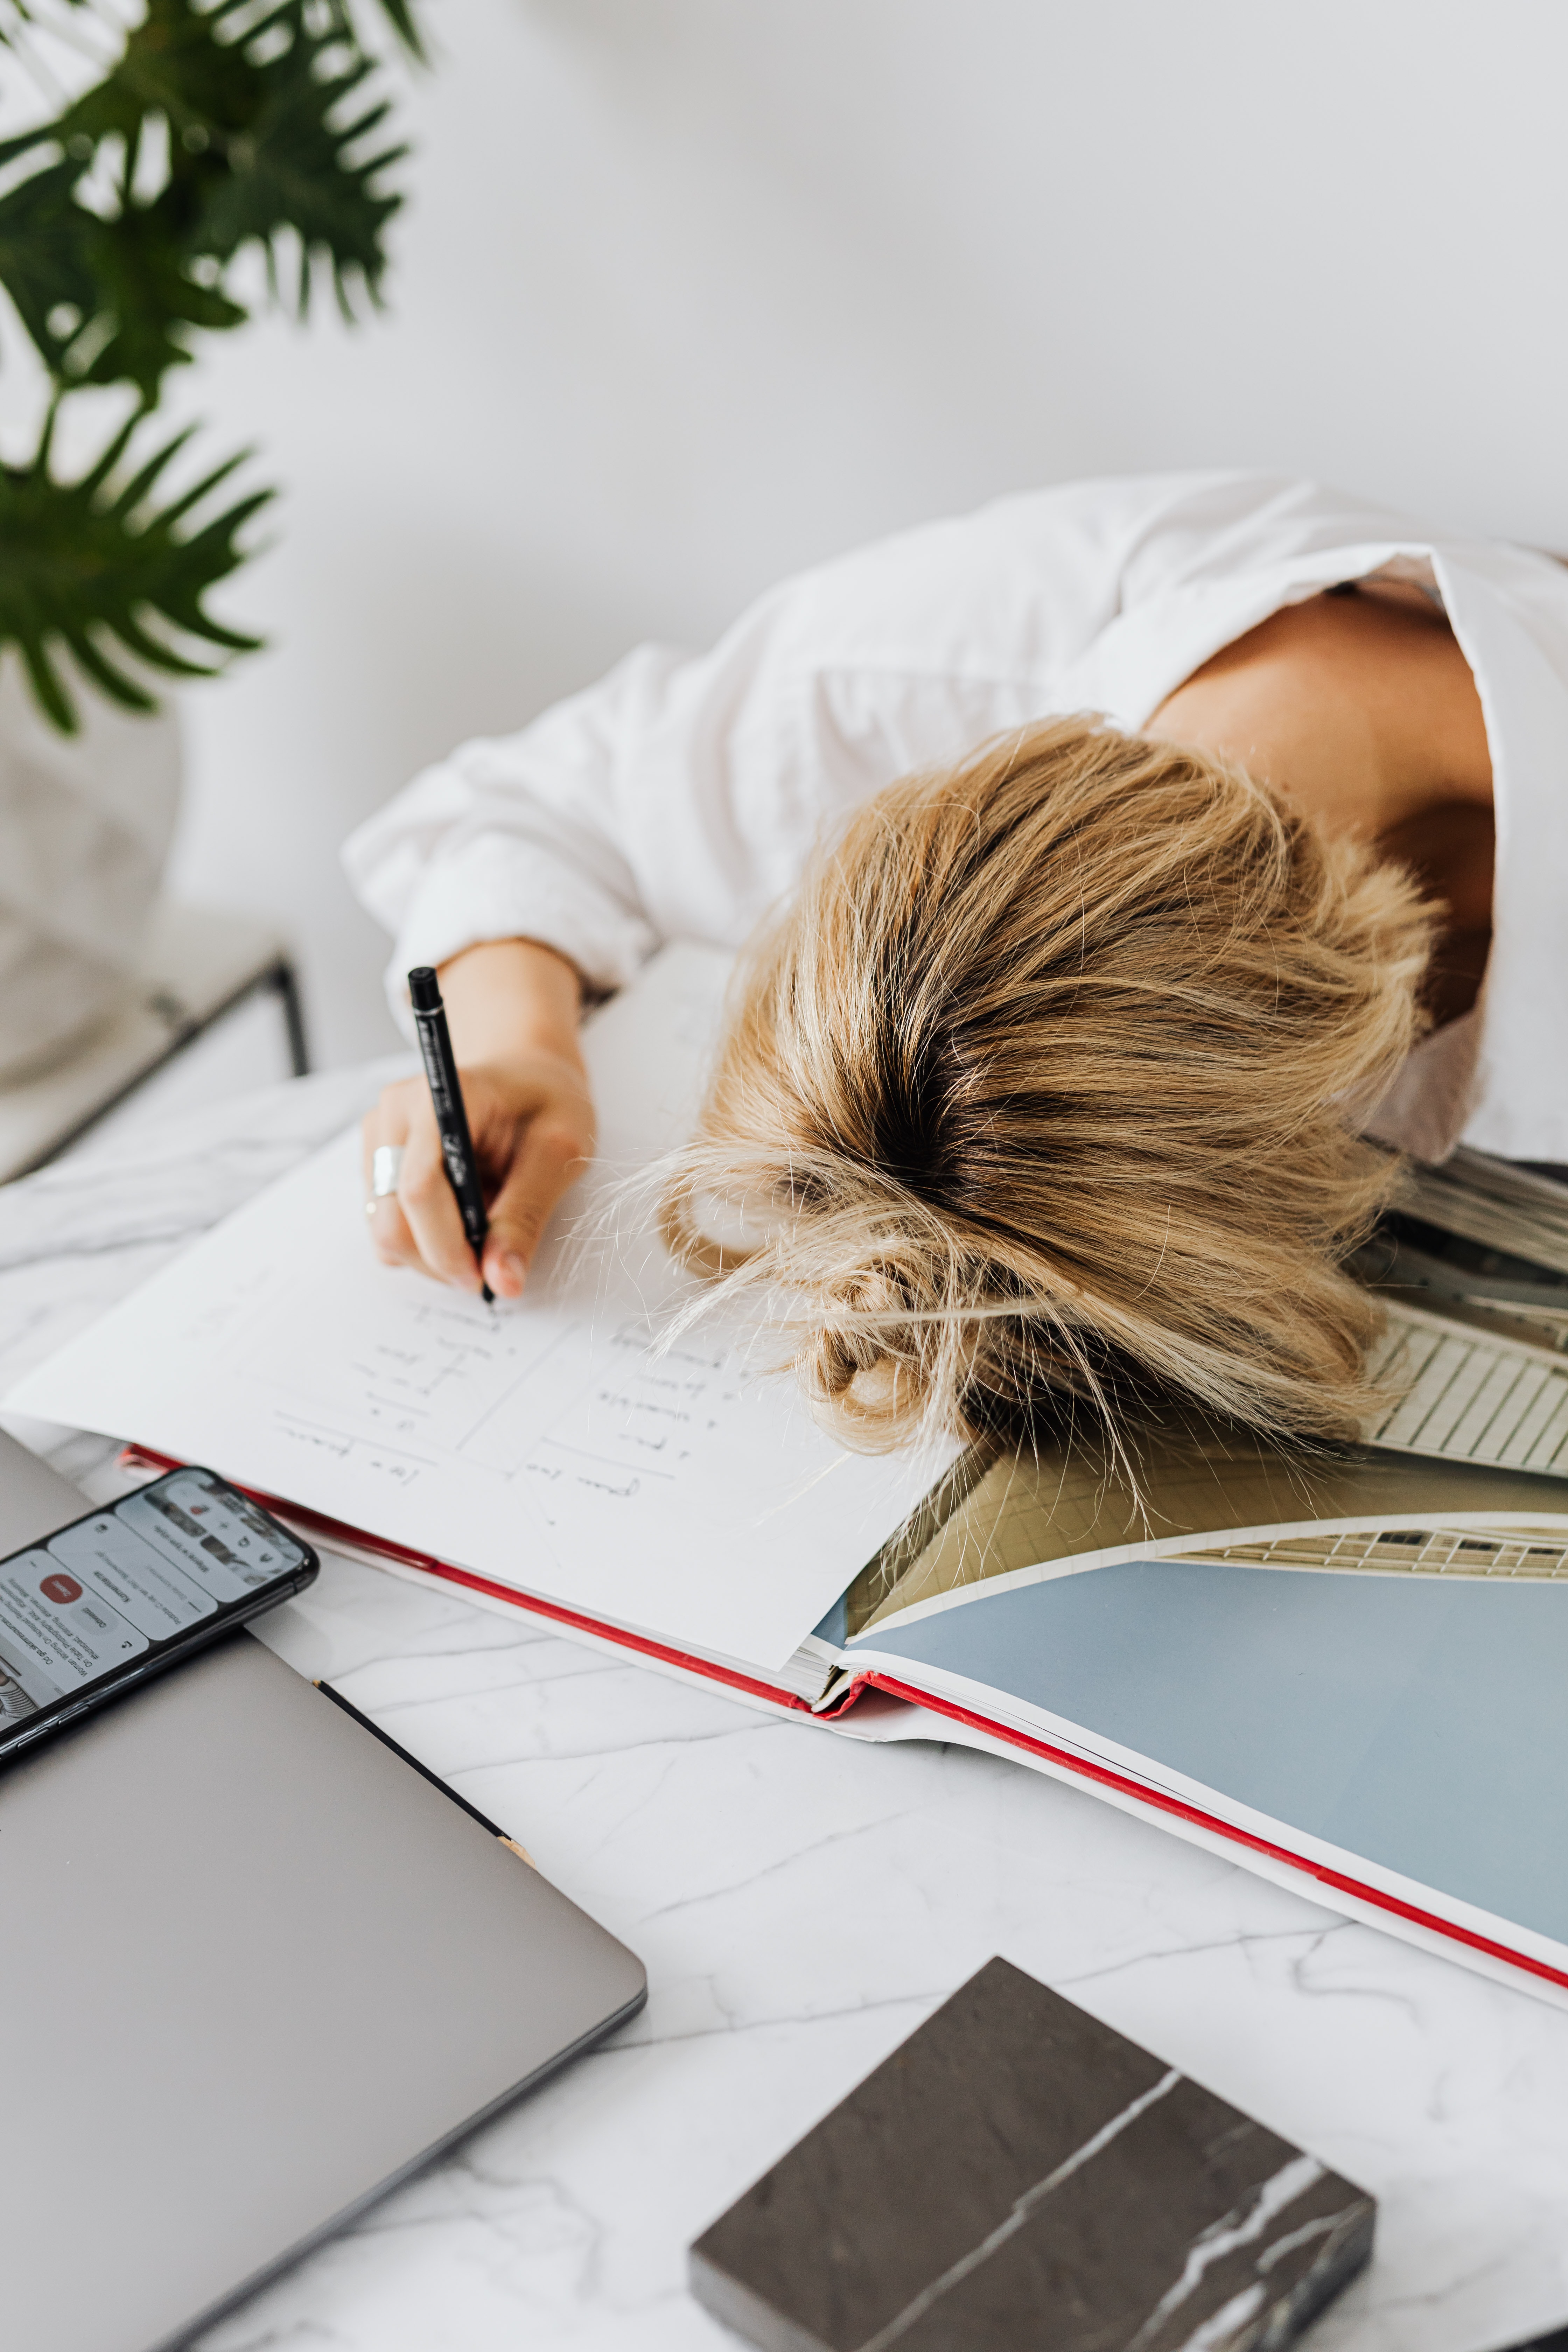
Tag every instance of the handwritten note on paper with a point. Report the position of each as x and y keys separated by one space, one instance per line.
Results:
x=558 y=1444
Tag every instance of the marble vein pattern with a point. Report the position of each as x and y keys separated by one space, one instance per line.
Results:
x=802 y=1903
x=1018 y=2173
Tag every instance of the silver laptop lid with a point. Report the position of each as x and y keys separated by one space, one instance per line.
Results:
x=255 y=1970
x=33 y=1499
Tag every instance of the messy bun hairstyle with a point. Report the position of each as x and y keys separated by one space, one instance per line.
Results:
x=1045 y=1087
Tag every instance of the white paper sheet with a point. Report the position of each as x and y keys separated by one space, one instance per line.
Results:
x=553 y=1444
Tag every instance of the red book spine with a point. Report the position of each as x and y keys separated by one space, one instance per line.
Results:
x=332 y=1530
x=1061 y=1760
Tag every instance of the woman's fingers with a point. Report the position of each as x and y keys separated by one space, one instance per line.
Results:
x=390 y=1237
x=552 y=1155
x=430 y=1207
x=387 y=1123
x=420 y=1225
x=532 y=1136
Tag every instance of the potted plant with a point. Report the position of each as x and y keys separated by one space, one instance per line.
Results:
x=204 y=132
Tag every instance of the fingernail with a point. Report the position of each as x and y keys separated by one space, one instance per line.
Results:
x=512 y=1266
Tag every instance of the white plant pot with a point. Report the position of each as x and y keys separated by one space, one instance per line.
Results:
x=86 y=821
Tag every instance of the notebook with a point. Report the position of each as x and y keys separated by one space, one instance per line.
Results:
x=561 y=1445
x=676 y=1498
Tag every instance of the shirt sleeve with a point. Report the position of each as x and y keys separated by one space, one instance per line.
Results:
x=522 y=838
x=681 y=796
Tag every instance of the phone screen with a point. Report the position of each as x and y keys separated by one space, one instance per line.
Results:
x=119 y=1593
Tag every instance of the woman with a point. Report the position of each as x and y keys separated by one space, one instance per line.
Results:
x=1135 y=847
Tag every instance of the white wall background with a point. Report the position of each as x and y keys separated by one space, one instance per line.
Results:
x=692 y=292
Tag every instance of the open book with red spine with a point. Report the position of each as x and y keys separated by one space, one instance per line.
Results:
x=1343 y=1672
x=1363 y=1706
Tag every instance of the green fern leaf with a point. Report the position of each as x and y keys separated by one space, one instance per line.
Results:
x=148 y=303
x=45 y=264
x=104 y=302
x=264 y=136
x=272 y=131
x=274 y=136
x=92 y=569
x=303 y=168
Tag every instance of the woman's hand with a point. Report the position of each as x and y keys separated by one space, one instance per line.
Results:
x=512 y=1009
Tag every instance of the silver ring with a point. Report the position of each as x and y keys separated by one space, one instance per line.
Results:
x=385 y=1169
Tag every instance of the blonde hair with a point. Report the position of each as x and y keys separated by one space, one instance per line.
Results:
x=1044 y=1089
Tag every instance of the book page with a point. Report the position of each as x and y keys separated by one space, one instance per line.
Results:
x=1501 y=1203
x=1409 y=1733
x=560 y=1444
x=1469 y=1391
x=1227 y=1496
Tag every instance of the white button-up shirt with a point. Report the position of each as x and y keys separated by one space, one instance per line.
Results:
x=678 y=798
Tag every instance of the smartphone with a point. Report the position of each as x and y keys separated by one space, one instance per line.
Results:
x=123 y=1592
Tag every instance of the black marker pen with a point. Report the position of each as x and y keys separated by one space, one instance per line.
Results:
x=451 y=1118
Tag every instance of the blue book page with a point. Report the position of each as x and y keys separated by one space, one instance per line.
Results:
x=1419 y=1723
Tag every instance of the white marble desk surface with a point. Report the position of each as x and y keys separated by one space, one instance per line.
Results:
x=802 y=1903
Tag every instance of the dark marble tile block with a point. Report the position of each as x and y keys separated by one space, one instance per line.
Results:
x=1018 y=2175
